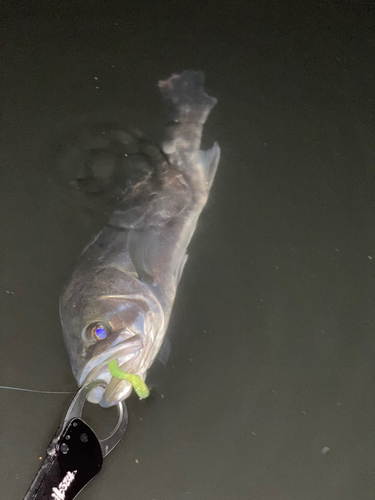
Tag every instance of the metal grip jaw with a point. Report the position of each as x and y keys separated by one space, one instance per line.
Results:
x=75 y=454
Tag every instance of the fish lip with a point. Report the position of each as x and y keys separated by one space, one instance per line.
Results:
x=107 y=400
x=96 y=364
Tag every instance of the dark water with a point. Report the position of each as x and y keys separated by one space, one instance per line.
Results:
x=273 y=327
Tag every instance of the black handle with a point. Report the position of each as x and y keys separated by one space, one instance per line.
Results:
x=71 y=462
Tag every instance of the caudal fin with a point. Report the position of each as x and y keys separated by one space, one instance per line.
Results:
x=188 y=106
x=186 y=97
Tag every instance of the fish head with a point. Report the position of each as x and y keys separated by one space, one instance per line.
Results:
x=113 y=316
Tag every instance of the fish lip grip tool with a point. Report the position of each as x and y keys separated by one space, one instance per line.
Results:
x=75 y=454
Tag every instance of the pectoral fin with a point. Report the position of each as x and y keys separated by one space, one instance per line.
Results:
x=144 y=250
x=179 y=269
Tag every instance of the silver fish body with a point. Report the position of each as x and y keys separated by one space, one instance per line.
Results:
x=118 y=301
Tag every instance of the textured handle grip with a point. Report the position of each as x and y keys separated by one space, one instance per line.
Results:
x=71 y=463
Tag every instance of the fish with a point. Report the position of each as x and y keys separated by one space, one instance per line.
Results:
x=117 y=303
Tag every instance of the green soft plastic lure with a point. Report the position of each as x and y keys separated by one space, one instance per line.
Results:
x=139 y=386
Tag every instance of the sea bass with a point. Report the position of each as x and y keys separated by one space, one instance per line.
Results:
x=118 y=301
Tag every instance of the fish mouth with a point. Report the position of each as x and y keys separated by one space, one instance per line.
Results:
x=127 y=354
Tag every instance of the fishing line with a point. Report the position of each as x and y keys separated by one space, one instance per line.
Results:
x=34 y=390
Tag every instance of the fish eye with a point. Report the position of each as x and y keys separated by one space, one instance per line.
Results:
x=100 y=332
x=97 y=331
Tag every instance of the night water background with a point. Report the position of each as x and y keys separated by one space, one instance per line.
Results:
x=269 y=390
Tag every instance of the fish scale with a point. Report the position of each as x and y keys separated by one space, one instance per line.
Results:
x=126 y=279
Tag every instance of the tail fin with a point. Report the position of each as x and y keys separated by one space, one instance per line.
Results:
x=188 y=106
x=186 y=97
